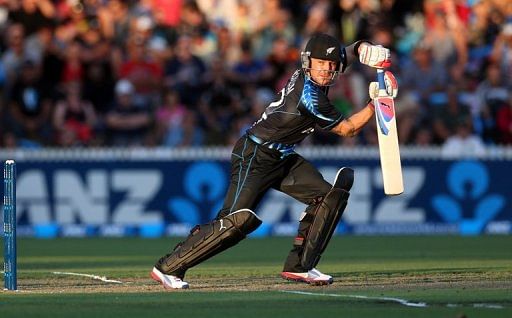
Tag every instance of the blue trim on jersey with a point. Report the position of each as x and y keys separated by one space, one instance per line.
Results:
x=246 y=173
x=239 y=175
x=240 y=186
x=309 y=98
x=285 y=149
x=337 y=121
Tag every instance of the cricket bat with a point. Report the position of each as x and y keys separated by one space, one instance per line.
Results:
x=388 y=139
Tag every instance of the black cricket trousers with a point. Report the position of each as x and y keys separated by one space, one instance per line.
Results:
x=255 y=169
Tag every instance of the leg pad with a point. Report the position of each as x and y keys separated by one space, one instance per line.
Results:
x=207 y=240
x=325 y=219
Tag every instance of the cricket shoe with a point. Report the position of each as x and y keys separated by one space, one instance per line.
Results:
x=344 y=179
x=312 y=277
x=168 y=281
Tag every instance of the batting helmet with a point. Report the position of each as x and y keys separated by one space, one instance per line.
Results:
x=324 y=47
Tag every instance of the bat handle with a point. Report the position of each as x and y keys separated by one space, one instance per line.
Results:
x=380 y=79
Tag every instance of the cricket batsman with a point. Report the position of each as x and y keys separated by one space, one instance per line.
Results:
x=264 y=158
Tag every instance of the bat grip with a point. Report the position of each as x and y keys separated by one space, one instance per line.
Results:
x=380 y=79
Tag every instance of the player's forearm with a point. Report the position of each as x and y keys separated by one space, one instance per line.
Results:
x=352 y=126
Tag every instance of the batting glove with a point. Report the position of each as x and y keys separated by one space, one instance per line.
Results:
x=375 y=56
x=391 y=86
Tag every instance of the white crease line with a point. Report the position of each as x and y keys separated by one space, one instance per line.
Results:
x=492 y=306
x=102 y=278
x=396 y=300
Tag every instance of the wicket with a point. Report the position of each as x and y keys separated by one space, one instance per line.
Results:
x=10 y=225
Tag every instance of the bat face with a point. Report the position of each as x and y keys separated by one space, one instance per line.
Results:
x=388 y=140
x=385 y=112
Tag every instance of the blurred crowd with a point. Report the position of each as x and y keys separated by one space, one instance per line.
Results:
x=175 y=73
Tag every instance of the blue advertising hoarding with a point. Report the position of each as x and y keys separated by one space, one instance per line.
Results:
x=167 y=197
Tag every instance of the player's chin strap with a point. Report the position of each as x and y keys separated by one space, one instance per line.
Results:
x=333 y=76
x=325 y=218
x=208 y=240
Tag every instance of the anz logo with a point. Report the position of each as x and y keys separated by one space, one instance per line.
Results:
x=94 y=197
x=204 y=185
x=469 y=202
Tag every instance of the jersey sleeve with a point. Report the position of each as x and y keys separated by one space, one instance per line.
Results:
x=318 y=106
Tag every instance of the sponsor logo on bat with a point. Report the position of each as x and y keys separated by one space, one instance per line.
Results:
x=385 y=114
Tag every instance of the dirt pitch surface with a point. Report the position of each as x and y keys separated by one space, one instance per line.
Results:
x=63 y=283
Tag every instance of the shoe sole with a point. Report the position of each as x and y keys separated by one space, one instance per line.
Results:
x=304 y=280
x=157 y=279
x=344 y=179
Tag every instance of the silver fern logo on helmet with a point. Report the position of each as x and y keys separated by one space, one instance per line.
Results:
x=329 y=50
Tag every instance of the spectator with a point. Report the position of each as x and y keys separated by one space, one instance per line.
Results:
x=423 y=77
x=95 y=49
x=170 y=114
x=195 y=25
x=502 y=53
x=73 y=68
x=220 y=12
x=184 y=72
x=350 y=19
x=371 y=18
x=250 y=70
x=16 y=53
x=32 y=14
x=74 y=117
x=482 y=30
x=279 y=59
x=423 y=136
x=491 y=94
x=449 y=116
x=50 y=58
x=464 y=144
x=38 y=43
x=98 y=86
x=445 y=35
x=228 y=49
x=167 y=12
x=127 y=124
x=318 y=18
x=114 y=21
x=145 y=74
x=9 y=140
x=186 y=133
x=191 y=46
x=242 y=21
x=504 y=123
x=216 y=109
x=29 y=107
x=277 y=24
x=193 y=19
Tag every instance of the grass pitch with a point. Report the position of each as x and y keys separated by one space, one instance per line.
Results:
x=414 y=276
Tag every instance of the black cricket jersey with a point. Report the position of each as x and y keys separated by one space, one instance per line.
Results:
x=302 y=106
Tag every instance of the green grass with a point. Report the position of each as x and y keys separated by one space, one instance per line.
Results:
x=454 y=276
